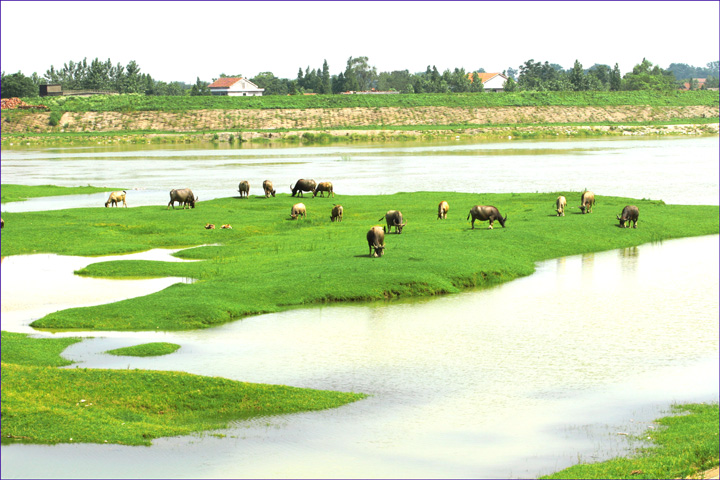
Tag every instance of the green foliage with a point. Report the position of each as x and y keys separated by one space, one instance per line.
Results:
x=18 y=85
x=55 y=117
x=154 y=349
x=41 y=404
x=429 y=258
x=686 y=446
x=646 y=77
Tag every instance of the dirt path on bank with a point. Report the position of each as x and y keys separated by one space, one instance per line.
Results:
x=321 y=119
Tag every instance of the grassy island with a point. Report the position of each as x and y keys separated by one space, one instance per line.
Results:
x=267 y=262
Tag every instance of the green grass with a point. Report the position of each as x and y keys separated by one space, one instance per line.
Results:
x=45 y=404
x=153 y=349
x=19 y=193
x=268 y=263
x=134 y=102
x=686 y=443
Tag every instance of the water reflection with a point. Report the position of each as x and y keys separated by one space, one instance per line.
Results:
x=485 y=384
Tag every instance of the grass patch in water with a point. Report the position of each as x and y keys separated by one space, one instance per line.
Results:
x=686 y=444
x=44 y=404
x=19 y=193
x=153 y=349
x=268 y=263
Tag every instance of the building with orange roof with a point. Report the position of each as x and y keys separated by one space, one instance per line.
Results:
x=235 y=87
x=492 y=82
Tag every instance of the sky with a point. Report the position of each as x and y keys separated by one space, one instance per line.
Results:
x=186 y=40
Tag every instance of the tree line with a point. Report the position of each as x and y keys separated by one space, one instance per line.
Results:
x=359 y=75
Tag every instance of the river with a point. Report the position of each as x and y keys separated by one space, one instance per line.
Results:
x=510 y=382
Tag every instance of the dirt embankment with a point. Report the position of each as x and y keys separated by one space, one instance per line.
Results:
x=319 y=119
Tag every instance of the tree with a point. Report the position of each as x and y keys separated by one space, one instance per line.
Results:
x=615 y=79
x=200 y=88
x=18 y=85
x=645 y=76
x=359 y=76
x=510 y=85
x=577 y=77
x=325 y=82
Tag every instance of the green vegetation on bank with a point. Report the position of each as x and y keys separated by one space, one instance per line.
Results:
x=268 y=263
x=140 y=103
x=45 y=404
x=19 y=193
x=686 y=444
x=153 y=349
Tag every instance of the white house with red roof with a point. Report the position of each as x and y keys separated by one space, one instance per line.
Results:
x=235 y=87
x=492 y=82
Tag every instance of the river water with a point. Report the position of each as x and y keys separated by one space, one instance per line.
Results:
x=510 y=382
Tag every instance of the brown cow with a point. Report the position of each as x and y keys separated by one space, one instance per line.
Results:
x=394 y=218
x=115 y=198
x=486 y=212
x=560 y=205
x=629 y=214
x=376 y=241
x=210 y=226
x=324 y=187
x=443 y=209
x=336 y=214
x=268 y=188
x=244 y=188
x=587 y=200
x=298 y=210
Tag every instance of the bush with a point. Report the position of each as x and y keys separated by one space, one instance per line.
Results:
x=55 y=117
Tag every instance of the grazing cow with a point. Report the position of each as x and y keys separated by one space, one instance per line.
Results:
x=336 y=214
x=227 y=225
x=587 y=200
x=210 y=226
x=268 y=188
x=244 y=188
x=115 y=198
x=443 y=209
x=183 y=196
x=486 y=212
x=298 y=210
x=376 y=241
x=2 y=223
x=394 y=218
x=560 y=205
x=303 y=185
x=324 y=187
x=629 y=214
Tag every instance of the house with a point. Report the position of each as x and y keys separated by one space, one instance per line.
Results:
x=700 y=84
x=235 y=87
x=53 y=89
x=492 y=82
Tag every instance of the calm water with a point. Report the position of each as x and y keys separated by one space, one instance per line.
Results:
x=514 y=381
x=679 y=170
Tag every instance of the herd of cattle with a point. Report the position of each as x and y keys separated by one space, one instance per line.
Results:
x=393 y=218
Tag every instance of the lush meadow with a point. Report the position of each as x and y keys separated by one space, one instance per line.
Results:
x=268 y=262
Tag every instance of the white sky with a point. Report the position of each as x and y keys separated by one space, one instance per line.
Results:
x=183 y=40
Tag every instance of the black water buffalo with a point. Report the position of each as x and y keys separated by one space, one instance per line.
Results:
x=560 y=205
x=394 y=218
x=268 y=188
x=486 y=212
x=336 y=214
x=587 y=200
x=115 y=199
x=298 y=210
x=324 y=187
x=244 y=188
x=629 y=214
x=183 y=196
x=376 y=241
x=443 y=208
x=303 y=185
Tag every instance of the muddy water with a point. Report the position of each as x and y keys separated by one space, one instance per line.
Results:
x=676 y=170
x=514 y=381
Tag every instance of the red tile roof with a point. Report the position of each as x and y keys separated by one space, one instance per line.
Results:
x=224 y=82
x=484 y=77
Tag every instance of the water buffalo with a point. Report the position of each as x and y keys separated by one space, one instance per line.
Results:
x=443 y=209
x=2 y=223
x=394 y=218
x=210 y=226
x=587 y=200
x=336 y=214
x=227 y=226
x=376 y=241
x=183 y=196
x=115 y=198
x=268 y=188
x=486 y=212
x=244 y=188
x=629 y=214
x=303 y=185
x=298 y=210
x=560 y=205
x=324 y=187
